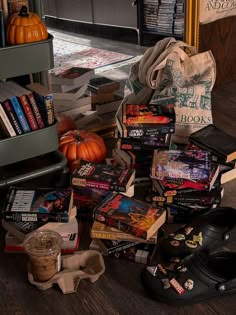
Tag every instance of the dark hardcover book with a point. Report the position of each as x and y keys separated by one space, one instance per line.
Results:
x=130 y=215
x=145 y=143
x=143 y=130
x=102 y=85
x=188 y=164
x=40 y=205
x=217 y=141
x=103 y=176
x=28 y=112
x=114 y=246
x=12 y=117
x=44 y=100
x=175 y=186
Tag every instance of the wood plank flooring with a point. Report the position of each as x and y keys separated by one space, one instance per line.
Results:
x=119 y=290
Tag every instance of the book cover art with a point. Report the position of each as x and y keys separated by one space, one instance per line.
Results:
x=188 y=164
x=102 y=85
x=216 y=141
x=103 y=176
x=130 y=215
x=72 y=76
x=41 y=205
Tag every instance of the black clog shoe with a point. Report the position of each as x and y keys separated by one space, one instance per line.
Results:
x=207 y=232
x=196 y=279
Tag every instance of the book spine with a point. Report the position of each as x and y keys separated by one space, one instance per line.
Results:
x=136 y=132
x=120 y=247
x=122 y=226
x=48 y=101
x=79 y=182
x=12 y=117
x=6 y=122
x=35 y=109
x=16 y=216
x=28 y=112
x=19 y=112
x=148 y=120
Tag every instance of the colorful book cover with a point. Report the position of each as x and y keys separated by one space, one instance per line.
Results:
x=188 y=164
x=28 y=112
x=40 y=205
x=103 y=176
x=130 y=215
x=20 y=114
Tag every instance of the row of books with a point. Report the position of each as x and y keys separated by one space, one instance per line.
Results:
x=23 y=110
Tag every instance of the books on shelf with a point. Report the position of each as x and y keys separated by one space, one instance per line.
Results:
x=103 y=176
x=130 y=215
x=217 y=141
x=44 y=99
x=74 y=76
x=39 y=205
x=188 y=164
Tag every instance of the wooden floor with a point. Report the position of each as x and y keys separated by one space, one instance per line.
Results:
x=119 y=290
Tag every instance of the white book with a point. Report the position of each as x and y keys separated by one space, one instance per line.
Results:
x=85 y=118
x=65 y=105
x=74 y=76
x=73 y=95
x=74 y=112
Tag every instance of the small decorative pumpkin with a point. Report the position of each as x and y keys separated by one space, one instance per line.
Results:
x=25 y=27
x=80 y=144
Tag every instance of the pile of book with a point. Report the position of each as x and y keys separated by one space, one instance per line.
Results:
x=142 y=128
x=23 y=110
x=68 y=87
x=123 y=226
x=26 y=210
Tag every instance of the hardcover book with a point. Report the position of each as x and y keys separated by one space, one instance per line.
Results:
x=188 y=164
x=130 y=215
x=6 y=127
x=103 y=176
x=217 y=141
x=74 y=76
x=103 y=231
x=40 y=205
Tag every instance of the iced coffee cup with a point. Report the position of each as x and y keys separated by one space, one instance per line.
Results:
x=44 y=251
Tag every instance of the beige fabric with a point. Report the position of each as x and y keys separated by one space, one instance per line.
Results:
x=211 y=11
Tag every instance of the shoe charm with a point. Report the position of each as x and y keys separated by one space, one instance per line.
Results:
x=182 y=269
x=189 y=284
x=166 y=283
x=177 y=286
x=198 y=238
x=152 y=270
x=162 y=269
x=179 y=237
x=174 y=243
x=191 y=244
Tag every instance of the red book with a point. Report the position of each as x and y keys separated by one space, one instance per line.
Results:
x=28 y=112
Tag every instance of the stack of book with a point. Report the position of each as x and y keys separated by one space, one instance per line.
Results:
x=142 y=128
x=104 y=94
x=26 y=210
x=92 y=182
x=185 y=182
x=125 y=227
x=68 y=89
x=23 y=110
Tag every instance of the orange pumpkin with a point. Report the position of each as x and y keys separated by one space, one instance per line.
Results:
x=80 y=144
x=25 y=27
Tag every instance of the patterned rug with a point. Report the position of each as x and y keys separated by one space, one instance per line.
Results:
x=67 y=54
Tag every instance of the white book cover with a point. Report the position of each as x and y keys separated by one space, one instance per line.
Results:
x=61 y=105
x=72 y=95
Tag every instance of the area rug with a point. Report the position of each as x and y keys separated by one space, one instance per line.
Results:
x=67 y=54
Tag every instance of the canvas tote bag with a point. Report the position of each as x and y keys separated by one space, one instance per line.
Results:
x=211 y=11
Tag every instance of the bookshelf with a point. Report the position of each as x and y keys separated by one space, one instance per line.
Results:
x=16 y=61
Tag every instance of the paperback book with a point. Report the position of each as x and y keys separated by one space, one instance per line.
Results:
x=103 y=85
x=74 y=76
x=40 y=205
x=103 y=176
x=188 y=164
x=130 y=215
